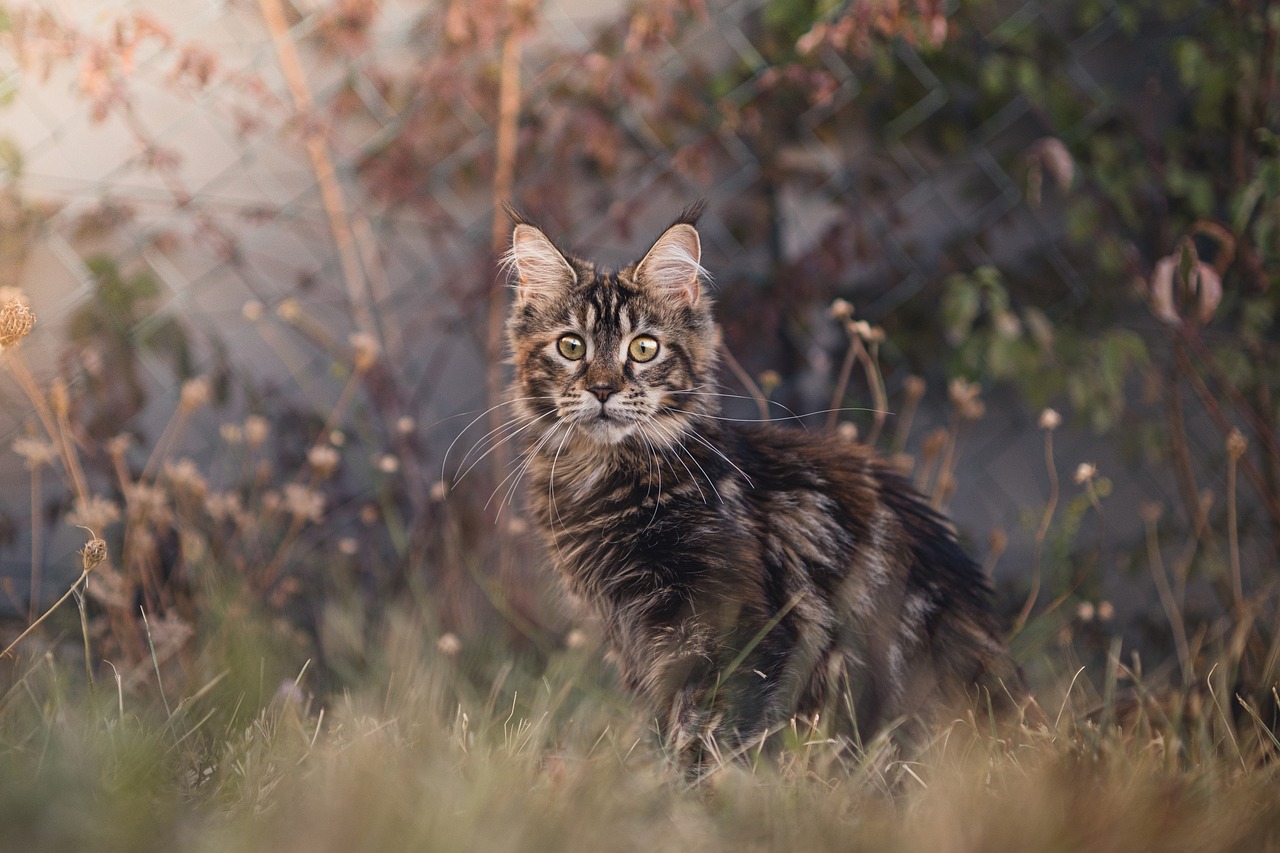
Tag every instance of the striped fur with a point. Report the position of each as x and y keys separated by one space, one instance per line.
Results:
x=743 y=574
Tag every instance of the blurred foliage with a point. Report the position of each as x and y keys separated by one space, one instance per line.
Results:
x=1140 y=134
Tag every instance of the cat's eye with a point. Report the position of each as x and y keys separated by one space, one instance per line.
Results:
x=643 y=348
x=571 y=347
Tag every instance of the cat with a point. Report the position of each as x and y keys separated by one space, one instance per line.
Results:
x=744 y=575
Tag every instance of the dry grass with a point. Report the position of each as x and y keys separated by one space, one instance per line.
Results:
x=426 y=757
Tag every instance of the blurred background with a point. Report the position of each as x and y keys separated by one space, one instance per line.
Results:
x=259 y=242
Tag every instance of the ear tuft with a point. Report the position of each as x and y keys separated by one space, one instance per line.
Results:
x=673 y=266
x=540 y=269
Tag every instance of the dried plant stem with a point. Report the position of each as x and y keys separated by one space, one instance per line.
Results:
x=1269 y=499
x=37 y=543
x=84 y=633
x=1233 y=537
x=903 y=428
x=503 y=187
x=1182 y=468
x=1041 y=532
x=1266 y=435
x=36 y=624
x=842 y=379
x=870 y=359
x=762 y=402
x=946 y=464
x=66 y=452
x=169 y=436
x=331 y=195
x=1156 y=564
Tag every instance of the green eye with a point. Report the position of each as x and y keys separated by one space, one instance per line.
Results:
x=571 y=347
x=643 y=348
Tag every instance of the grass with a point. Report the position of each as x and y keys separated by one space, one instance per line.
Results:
x=427 y=755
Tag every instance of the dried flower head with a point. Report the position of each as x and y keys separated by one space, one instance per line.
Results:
x=232 y=434
x=1050 y=419
x=256 y=430
x=847 y=431
x=118 y=445
x=348 y=546
x=1237 y=444
x=16 y=321
x=405 y=424
x=148 y=505
x=388 y=464
x=93 y=553
x=1150 y=511
x=323 y=460
x=841 y=309
x=186 y=478
x=252 y=310
x=35 y=451
x=195 y=394
x=222 y=506
x=449 y=644
x=94 y=513
x=439 y=490
x=914 y=387
x=303 y=503
x=289 y=310
x=365 y=351
x=964 y=398
x=1085 y=472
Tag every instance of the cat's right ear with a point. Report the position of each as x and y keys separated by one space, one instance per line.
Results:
x=541 y=271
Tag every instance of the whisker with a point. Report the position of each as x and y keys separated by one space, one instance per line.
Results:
x=674 y=440
x=693 y=433
x=499 y=443
x=528 y=457
x=445 y=461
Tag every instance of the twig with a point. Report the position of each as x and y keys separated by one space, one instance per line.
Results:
x=762 y=402
x=331 y=195
x=36 y=624
x=846 y=372
x=1041 y=533
x=503 y=187
x=871 y=366
x=1156 y=564
x=1269 y=499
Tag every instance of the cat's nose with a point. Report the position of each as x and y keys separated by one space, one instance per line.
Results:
x=602 y=392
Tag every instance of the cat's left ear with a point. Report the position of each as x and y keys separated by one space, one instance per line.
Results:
x=673 y=266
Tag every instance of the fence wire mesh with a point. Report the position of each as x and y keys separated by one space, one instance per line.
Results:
x=254 y=193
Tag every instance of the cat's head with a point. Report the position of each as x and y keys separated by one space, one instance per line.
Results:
x=613 y=356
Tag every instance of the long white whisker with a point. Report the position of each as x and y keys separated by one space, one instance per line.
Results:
x=528 y=456
x=500 y=442
x=444 y=463
x=677 y=445
x=693 y=433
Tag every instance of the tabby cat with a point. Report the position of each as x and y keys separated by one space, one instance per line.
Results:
x=744 y=575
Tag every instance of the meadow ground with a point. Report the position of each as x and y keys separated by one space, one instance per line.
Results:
x=445 y=748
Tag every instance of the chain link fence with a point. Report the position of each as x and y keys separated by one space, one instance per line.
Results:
x=256 y=194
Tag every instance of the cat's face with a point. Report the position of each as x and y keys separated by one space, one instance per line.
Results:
x=612 y=357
